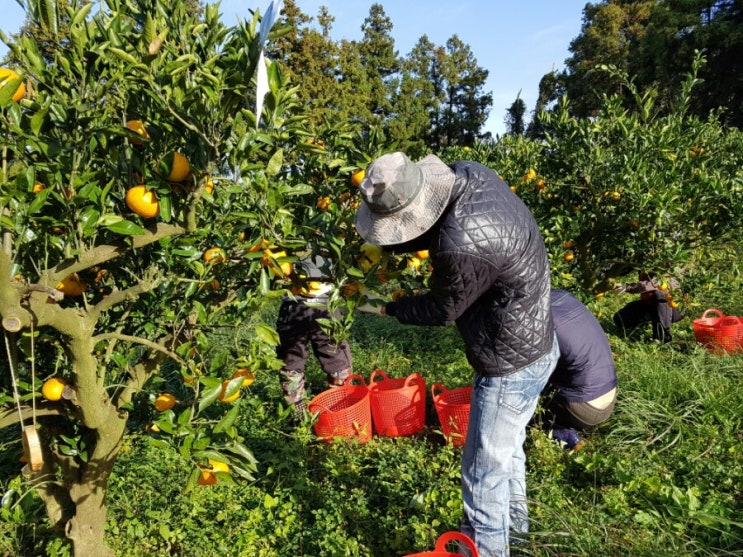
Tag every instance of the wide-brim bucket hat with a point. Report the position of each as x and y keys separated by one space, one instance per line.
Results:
x=402 y=199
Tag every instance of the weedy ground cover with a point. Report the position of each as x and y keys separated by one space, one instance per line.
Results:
x=662 y=477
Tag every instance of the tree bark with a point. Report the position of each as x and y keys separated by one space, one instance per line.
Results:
x=86 y=528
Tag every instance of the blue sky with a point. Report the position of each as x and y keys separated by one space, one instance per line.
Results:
x=516 y=41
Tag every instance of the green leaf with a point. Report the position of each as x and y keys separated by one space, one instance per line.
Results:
x=227 y=420
x=185 y=417
x=275 y=163
x=37 y=120
x=123 y=55
x=166 y=209
x=126 y=228
x=210 y=395
x=267 y=334
x=244 y=453
x=89 y=219
x=81 y=14
x=49 y=16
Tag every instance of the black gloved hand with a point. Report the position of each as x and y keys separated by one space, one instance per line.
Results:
x=390 y=309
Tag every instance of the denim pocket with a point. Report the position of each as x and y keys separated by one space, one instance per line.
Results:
x=520 y=390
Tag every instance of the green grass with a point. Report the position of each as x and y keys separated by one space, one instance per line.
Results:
x=662 y=477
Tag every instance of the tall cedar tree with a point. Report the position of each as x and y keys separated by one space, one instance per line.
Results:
x=423 y=102
x=654 y=42
x=380 y=61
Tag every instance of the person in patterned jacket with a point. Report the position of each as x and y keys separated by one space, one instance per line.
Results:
x=491 y=278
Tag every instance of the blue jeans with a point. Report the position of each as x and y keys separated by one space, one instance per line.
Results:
x=494 y=463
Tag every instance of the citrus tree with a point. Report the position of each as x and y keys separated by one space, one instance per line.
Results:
x=627 y=189
x=144 y=209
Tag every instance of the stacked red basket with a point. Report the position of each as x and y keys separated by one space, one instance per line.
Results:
x=719 y=332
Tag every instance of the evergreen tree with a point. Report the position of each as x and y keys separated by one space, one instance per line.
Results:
x=379 y=60
x=417 y=100
x=515 y=124
x=311 y=58
x=466 y=108
x=610 y=35
x=678 y=28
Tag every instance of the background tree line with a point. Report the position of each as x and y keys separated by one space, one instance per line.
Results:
x=432 y=97
x=654 y=42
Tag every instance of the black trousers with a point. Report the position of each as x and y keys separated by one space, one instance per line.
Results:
x=298 y=333
x=655 y=311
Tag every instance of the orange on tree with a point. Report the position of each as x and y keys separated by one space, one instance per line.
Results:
x=370 y=256
x=218 y=466
x=422 y=254
x=569 y=256
x=71 y=285
x=209 y=186
x=414 y=264
x=206 y=477
x=137 y=126
x=53 y=388
x=529 y=176
x=352 y=288
x=567 y=244
x=142 y=201
x=7 y=75
x=261 y=244
x=323 y=203
x=358 y=177
x=164 y=402
x=268 y=255
x=231 y=398
x=39 y=186
x=175 y=167
x=215 y=255
x=247 y=375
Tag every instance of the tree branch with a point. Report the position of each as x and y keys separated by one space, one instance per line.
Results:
x=139 y=340
x=107 y=252
x=9 y=416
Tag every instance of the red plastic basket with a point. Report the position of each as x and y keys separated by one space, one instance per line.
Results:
x=453 y=409
x=398 y=406
x=441 y=546
x=729 y=333
x=343 y=411
x=704 y=327
x=719 y=332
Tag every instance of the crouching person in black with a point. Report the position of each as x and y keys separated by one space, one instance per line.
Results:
x=655 y=306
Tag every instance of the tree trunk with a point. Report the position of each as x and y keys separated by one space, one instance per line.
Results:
x=86 y=529
x=87 y=487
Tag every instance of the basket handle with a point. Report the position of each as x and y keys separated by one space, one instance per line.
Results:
x=729 y=320
x=413 y=379
x=377 y=373
x=353 y=377
x=719 y=313
x=437 y=387
x=447 y=537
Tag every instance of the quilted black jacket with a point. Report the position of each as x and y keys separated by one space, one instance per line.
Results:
x=490 y=275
